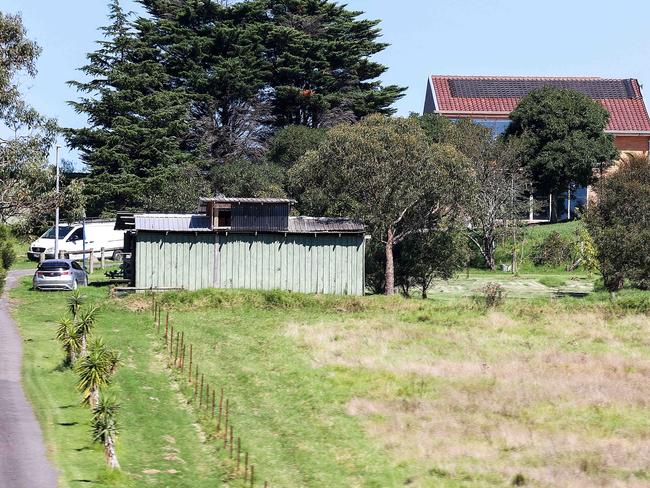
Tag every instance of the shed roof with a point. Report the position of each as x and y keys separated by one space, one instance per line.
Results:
x=247 y=200
x=499 y=95
x=299 y=225
x=201 y=223
x=173 y=222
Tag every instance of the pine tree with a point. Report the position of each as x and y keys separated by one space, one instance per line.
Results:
x=137 y=119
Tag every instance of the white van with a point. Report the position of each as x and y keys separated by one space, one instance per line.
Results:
x=99 y=234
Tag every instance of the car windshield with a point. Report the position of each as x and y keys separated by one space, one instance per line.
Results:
x=53 y=266
x=64 y=230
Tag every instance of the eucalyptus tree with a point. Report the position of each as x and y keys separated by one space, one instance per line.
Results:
x=385 y=172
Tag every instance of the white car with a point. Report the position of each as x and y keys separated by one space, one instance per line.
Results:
x=99 y=234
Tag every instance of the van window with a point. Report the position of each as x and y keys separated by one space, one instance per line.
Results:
x=77 y=235
x=64 y=230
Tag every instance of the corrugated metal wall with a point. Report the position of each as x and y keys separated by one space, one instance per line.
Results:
x=174 y=260
x=301 y=262
x=270 y=216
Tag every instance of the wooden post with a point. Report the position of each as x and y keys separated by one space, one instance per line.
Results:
x=212 y=402
x=220 y=410
x=91 y=261
x=245 y=466
x=252 y=475
x=171 y=342
x=238 y=452
x=183 y=360
x=225 y=430
x=201 y=392
x=102 y=258
x=196 y=382
x=207 y=395
x=41 y=257
x=166 y=327
x=182 y=348
x=231 y=440
x=178 y=341
x=189 y=369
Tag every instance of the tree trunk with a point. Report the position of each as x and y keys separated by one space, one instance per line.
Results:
x=488 y=253
x=109 y=453
x=554 y=209
x=83 y=346
x=94 y=397
x=390 y=265
x=425 y=287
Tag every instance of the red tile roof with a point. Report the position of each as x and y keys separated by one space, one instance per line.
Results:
x=499 y=95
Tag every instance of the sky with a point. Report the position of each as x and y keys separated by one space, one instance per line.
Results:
x=449 y=37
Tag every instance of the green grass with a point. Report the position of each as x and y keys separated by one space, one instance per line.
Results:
x=371 y=392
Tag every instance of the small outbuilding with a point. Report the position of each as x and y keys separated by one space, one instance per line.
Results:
x=249 y=243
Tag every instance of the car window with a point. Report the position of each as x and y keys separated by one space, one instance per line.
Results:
x=76 y=265
x=77 y=235
x=53 y=266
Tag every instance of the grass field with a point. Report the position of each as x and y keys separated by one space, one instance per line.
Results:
x=372 y=392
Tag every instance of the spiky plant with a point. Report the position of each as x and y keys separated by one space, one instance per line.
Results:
x=67 y=334
x=85 y=324
x=75 y=301
x=105 y=428
x=95 y=371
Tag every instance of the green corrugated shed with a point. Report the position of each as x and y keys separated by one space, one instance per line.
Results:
x=308 y=263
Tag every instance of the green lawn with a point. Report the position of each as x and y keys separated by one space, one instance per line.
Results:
x=373 y=392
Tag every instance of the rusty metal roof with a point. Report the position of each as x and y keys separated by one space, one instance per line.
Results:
x=173 y=222
x=247 y=200
x=305 y=225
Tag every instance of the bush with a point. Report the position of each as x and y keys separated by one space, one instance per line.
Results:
x=492 y=295
x=555 y=250
x=619 y=223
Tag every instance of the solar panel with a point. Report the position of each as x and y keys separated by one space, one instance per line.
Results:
x=512 y=88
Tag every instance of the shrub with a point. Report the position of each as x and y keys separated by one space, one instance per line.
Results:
x=491 y=295
x=554 y=250
x=7 y=253
x=619 y=223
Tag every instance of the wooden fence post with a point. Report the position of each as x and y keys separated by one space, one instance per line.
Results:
x=252 y=475
x=91 y=260
x=189 y=369
x=245 y=466
x=102 y=258
x=220 y=410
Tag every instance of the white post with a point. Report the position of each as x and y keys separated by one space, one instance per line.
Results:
x=531 y=214
x=56 y=218
x=569 y=205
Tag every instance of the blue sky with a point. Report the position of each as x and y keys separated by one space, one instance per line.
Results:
x=460 y=37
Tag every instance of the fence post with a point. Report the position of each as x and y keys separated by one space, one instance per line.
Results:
x=178 y=341
x=183 y=360
x=171 y=342
x=220 y=410
x=189 y=369
x=91 y=260
x=201 y=392
x=245 y=466
x=41 y=257
x=238 y=452
x=212 y=402
x=231 y=441
x=252 y=475
x=102 y=258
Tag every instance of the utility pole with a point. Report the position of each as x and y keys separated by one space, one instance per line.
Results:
x=56 y=218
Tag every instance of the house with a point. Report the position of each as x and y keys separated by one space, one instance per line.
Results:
x=488 y=100
x=249 y=243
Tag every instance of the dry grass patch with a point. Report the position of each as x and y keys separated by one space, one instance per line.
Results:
x=538 y=396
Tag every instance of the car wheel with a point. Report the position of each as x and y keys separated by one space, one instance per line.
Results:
x=75 y=285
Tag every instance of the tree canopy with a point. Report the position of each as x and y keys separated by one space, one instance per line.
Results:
x=563 y=138
x=385 y=172
x=200 y=84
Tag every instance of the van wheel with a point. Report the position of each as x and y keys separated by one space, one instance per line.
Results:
x=117 y=256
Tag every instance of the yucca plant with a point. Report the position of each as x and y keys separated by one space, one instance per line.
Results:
x=67 y=334
x=105 y=429
x=75 y=301
x=85 y=324
x=95 y=371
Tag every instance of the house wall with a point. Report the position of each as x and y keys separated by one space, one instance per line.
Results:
x=306 y=263
x=632 y=143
